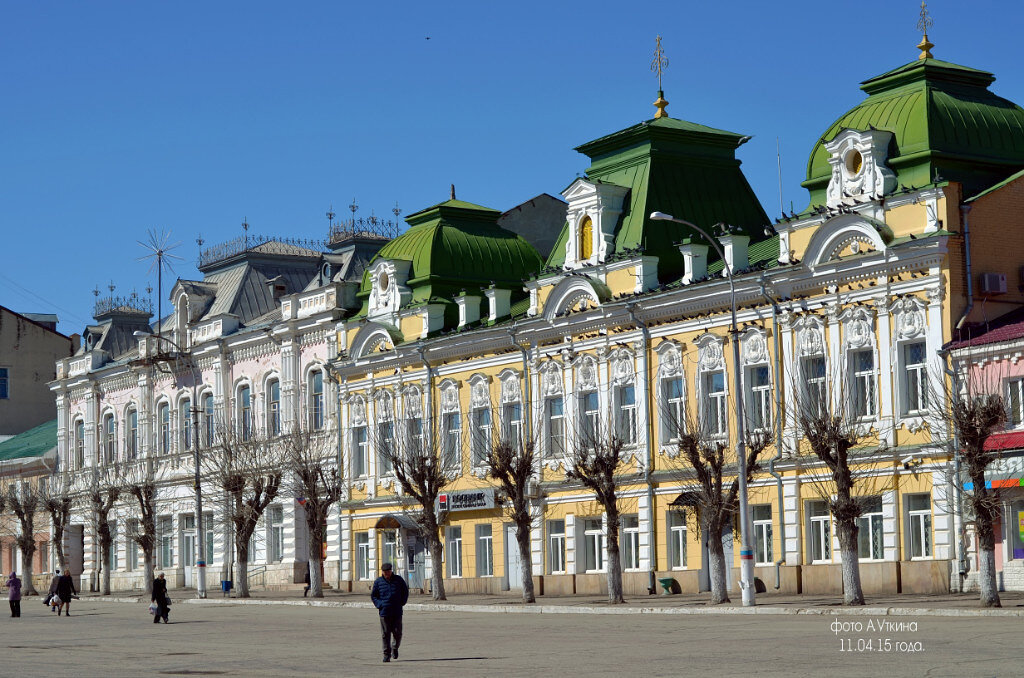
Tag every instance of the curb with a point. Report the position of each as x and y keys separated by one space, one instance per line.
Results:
x=589 y=609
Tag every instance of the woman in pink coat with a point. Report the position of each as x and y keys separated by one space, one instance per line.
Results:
x=14 y=594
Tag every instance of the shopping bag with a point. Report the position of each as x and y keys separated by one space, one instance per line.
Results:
x=167 y=600
x=153 y=609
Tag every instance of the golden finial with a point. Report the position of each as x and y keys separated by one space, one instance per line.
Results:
x=657 y=66
x=923 y=24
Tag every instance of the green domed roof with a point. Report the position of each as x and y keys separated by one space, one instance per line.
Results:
x=943 y=119
x=456 y=246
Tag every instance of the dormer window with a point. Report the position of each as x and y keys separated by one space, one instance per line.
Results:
x=388 y=292
x=859 y=169
x=586 y=238
x=593 y=214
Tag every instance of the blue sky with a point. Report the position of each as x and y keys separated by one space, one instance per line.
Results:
x=119 y=117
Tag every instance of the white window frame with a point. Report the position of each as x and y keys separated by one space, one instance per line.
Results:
x=163 y=417
x=481 y=428
x=815 y=384
x=275 y=518
x=244 y=410
x=913 y=376
x=872 y=530
x=673 y=409
x=676 y=540
x=316 y=400
x=389 y=547
x=274 y=407
x=763 y=529
x=919 y=528
x=595 y=543
x=589 y=407
x=863 y=384
x=209 y=425
x=385 y=442
x=626 y=414
x=715 y=405
x=131 y=441
x=79 y=427
x=165 y=541
x=512 y=423
x=109 y=438
x=451 y=440
x=185 y=423
x=630 y=549
x=360 y=452
x=759 y=397
x=485 y=550
x=819 y=531
x=1015 y=402
x=362 y=556
x=556 y=547
x=453 y=551
x=554 y=427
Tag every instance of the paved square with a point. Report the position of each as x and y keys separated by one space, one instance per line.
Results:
x=119 y=639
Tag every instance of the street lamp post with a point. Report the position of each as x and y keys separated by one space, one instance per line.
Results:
x=746 y=548
x=194 y=407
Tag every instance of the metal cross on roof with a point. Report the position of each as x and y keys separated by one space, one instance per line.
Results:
x=660 y=62
x=923 y=24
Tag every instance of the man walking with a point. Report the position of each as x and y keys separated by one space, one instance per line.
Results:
x=390 y=594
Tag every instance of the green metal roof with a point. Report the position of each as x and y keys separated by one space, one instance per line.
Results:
x=1008 y=180
x=682 y=168
x=456 y=246
x=943 y=119
x=33 y=443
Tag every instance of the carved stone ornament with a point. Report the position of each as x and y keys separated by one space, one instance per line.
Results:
x=359 y=412
x=755 y=349
x=622 y=369
x=479 y=396
x=450 y=399
x=413 y=405
x=511 y=392
x=858 y=333
x=384 y=405
x=588 y=375
x=552 y=382
x=670 y=364
x=710 y=356
x=811 y=342
x=911 y=323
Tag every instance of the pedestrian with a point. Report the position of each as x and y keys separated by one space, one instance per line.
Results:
x=390 y=594
x=51 y=596
x=160 y=598
x=14 y=594
x=305 y=591
x=65 y=589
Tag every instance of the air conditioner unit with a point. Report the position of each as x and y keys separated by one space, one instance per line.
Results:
x=993 y=283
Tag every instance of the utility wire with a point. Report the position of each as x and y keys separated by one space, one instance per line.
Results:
x=36 y=298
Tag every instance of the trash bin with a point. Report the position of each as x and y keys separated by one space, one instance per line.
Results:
x=225 y=586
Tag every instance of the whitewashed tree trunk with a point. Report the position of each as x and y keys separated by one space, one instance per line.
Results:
x=27 y=589
x=526 y=562
x=853 y=593
x=716 y=570
x=148 y=570
x=987 y=577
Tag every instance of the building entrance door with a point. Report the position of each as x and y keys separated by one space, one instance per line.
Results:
x=188 y=548
x=513 y=563
x=415 y=558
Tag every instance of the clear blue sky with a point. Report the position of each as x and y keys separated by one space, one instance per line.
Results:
x=118 y=117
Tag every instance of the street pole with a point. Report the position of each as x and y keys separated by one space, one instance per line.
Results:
x=200 y=535
x=746 y=547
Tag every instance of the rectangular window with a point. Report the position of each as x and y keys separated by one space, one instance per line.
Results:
x=589 y=418
x=630 y=542
x=208 y=528
x=625 y=414
x=188 y=539
x=185 y=416
x=414 y=434
x=453 y=547
x=815 y=386
x=385 y=447
x=5 y=379
x=594 y=543
x=677 y=540
x=389 y=547
x=79 y=444
x=716 y=420
x=110 y=439
x=132 y=440
x=362 y=556
x=762 y=534
x=673 y=409
x=512 y=423
x=919 y=514
x=870 y=536
x=276 y=519
x=554 y=419
x=165 y=532
x=451 y=447
x=316 y=401
x=484 y=551
x=862 y=367
x=133 y=546
x=274 y=408
x=556 y=547
x=915 y=366
x=164 y=415
x=1015 y=402
x=245 y=412
x=112 y=563
x=819 y=531
x=760 y=397
x=208 y=416
x=360 y=458
x=481 y=438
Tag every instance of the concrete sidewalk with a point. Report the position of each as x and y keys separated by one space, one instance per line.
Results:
x=949 y=605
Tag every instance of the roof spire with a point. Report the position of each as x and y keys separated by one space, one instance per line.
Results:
x=453 y=191
x=657 y=66
x=923 y=24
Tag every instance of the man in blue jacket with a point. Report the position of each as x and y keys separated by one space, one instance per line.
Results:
x=390 y=594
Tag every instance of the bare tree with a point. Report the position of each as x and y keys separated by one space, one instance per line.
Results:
x=511 y=463
x=23 y=500
x=140 y=484
x=317 y=480
x=415 y=459
x=103 y=496
x=714 y=499
x=594 y=462
x=249 y=469
x=58 y=502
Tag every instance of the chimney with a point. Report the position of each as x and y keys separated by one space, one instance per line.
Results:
x=735 y=246
x=469 y=308
x=695 y=260
x=500 y=302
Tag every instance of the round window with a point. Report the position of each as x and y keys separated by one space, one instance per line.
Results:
x=382 y=281
x=854 y=162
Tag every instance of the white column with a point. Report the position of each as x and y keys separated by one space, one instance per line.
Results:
x=890 y=526
x=943 y=524
x=886 y=410
x=792 y=529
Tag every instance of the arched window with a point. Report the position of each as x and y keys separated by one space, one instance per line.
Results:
x=245 y=412
x=185 y=413
x=586 y=238
x=274 y=407
x=109 y=439
x=316 y=400
x=208 y=418
x=132 y=438
x=79 y=444
x=163 y=415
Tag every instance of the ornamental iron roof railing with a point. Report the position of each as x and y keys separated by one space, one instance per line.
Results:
x=376 y=228
x=259 y=243
x=133 y=304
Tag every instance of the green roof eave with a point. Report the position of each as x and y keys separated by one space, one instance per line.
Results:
x=34 y=443
x=452 y=208
x=678 y=130
x=921 y=69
